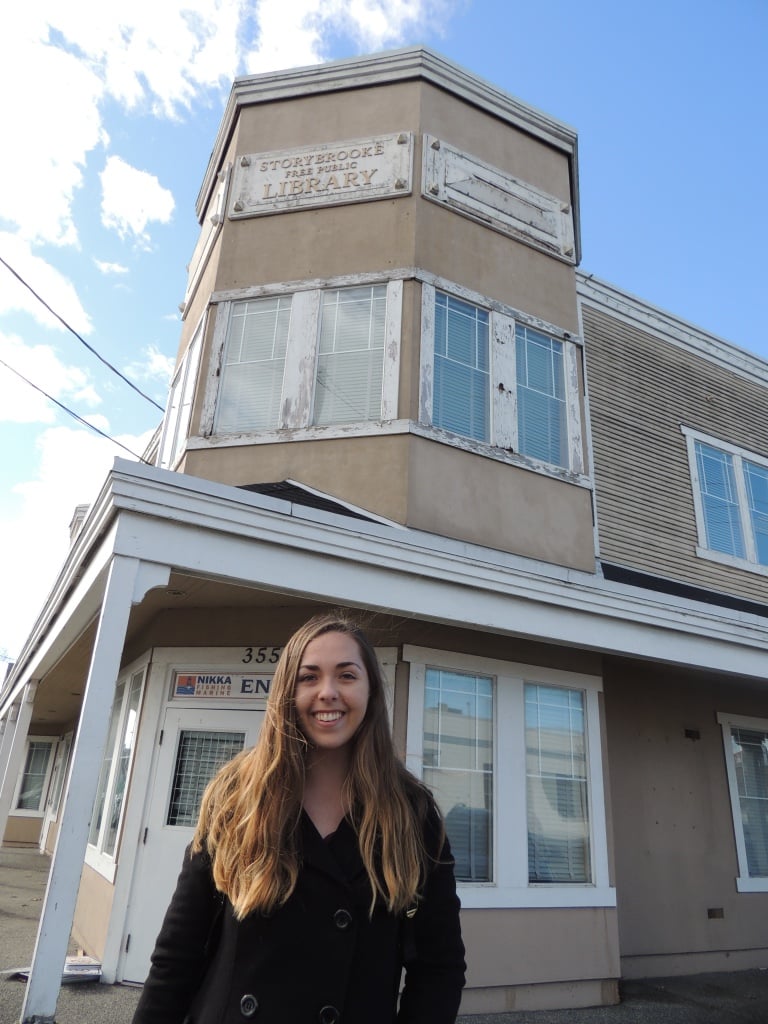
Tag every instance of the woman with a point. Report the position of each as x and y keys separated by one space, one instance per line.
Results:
x=319 y=867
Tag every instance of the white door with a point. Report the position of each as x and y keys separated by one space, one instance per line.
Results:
x=195 y=743
x=55 y=789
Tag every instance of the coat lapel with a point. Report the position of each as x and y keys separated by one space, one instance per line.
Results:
x=337 y=856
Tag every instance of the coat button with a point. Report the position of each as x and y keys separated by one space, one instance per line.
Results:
x=342 y=919
x=249 y=1005
x=329 y=1015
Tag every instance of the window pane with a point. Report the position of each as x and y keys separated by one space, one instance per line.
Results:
x=757 y=493
x=719 y=500
x=750 y=755
x=106 y=765
x=199 y=757
x=461 y=387
x=458 y=764
x=254 y=360
x=351 y=355
x=33 y=779
x=556 y=774
x=123 y=755
x=541 y=409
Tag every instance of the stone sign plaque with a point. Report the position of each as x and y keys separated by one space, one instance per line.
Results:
x=334 y=173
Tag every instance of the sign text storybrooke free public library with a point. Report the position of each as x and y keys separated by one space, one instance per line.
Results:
x=343 y=172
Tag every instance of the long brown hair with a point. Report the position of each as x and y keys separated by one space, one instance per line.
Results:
x=249 y=817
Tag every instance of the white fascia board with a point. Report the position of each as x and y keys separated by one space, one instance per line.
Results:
x=381 y=69
x=163 y=518
x=670 y=328
x=342 y=567
x=409 y=571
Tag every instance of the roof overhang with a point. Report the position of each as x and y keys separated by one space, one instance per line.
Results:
x=170 y=522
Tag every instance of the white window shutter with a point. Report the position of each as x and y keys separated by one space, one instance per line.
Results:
x=503 y=376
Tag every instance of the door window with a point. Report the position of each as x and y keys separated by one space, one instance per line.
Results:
x=199 y=756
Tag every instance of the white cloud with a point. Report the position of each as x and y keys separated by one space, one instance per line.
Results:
x=131 y=199
x=41 y=365
x=110 y=268
x=298 y=33
x=73 y=465
x=155 y=366
x=39 y=178
x=45 y=280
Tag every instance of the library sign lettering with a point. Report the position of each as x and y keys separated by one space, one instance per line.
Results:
x=344 y=172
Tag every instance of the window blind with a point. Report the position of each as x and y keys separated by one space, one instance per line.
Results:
x=541 y=409
x=556 y=784
x=458 y=764
x=757 y=494
x=254 y=360
x=719 y=499
x=351 y=355
x=750 y=753
x=461 y=393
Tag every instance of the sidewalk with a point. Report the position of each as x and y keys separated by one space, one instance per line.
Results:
x=738 y=998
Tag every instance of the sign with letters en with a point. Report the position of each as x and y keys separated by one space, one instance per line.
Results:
x=326 y=175
x=230 y=685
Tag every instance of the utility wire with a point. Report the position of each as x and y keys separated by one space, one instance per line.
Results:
x=79 y=337
x=74 y=415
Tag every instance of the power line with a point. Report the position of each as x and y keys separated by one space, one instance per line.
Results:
x=74 y=415
x=78 y=336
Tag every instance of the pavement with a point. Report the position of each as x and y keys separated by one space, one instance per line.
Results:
x=729 y=998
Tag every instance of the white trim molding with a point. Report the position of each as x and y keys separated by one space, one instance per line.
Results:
x=744 y=881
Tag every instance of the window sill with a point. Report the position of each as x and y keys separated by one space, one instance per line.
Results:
x=101 y=863
x=745 y=884
x=484 y=896
x=379 y=428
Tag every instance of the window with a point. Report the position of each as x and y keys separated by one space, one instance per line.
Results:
x=746 y=757
x=556 y=785
x=179 y=410
x=499 y=381
x=458 y=763
x=351 y=355
x=730 y=489
x=310 y=359
x=462 y=371
x=116 y=766
x=512 y=754
x=252 y=375
x=32 y=786
x=198 y=757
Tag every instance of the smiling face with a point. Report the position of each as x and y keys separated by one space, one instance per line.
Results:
x=332 y=691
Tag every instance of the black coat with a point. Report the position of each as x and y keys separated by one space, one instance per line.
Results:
x=319 y=959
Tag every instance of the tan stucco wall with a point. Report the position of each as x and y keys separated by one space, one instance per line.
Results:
x=367 y=471
x=50 y=838
x=94 y=906
x=22 y=830
x=457 y=494
x=535 y=946
x=673 y=830
x=461 y=251
x=428 y=486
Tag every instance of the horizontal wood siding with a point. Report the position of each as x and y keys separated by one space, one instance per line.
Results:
x=642 y=390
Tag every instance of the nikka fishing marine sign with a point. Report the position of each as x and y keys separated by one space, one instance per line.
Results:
x=341 y=172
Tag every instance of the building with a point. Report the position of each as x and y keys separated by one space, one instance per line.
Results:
x=396 y=391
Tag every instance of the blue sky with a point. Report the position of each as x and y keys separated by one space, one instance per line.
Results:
x=113 y=118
